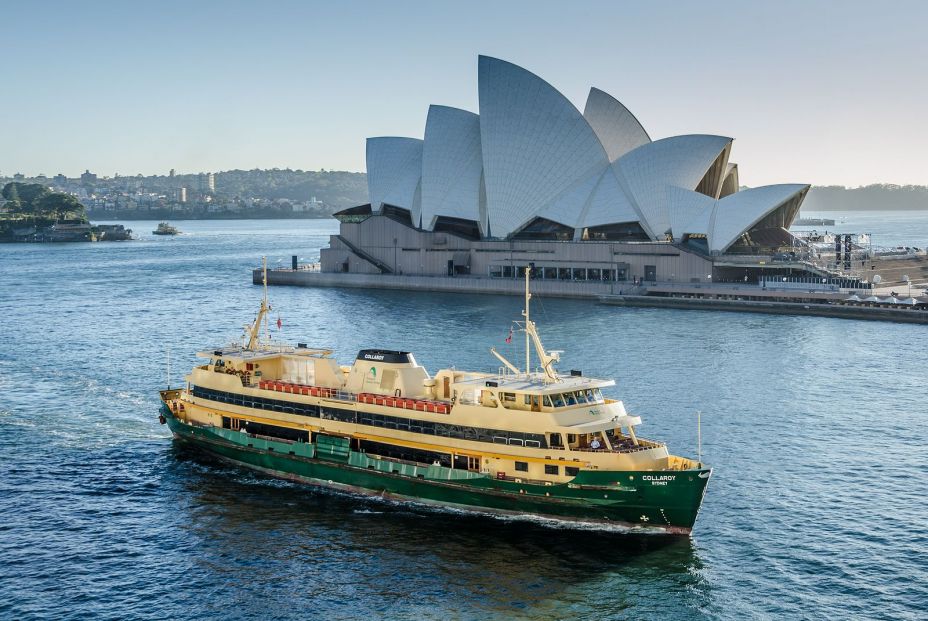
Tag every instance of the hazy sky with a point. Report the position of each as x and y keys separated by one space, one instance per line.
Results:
x=818 y=92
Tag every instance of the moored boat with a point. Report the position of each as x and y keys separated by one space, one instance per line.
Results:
x=524 y=442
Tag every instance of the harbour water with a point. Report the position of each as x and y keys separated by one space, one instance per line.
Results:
x=816 y=429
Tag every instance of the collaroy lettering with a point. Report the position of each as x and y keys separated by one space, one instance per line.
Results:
x=662 y=479
x=385 y=355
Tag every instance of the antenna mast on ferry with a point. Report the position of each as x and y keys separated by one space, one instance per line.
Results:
x=254 y=331
x=531 y=335
x=528 y=296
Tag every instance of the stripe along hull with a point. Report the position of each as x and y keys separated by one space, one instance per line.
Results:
x=664 y=502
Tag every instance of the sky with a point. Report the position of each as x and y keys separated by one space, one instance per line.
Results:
x=829 y=93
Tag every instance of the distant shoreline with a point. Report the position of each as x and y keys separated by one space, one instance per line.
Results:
x=108 y=216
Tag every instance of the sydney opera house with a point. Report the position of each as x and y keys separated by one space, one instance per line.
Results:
x=584 y=196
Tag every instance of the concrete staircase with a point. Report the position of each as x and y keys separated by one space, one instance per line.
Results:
x=383 y=267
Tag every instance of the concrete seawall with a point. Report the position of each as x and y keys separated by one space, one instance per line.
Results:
x=907 y=315
x=457 y=284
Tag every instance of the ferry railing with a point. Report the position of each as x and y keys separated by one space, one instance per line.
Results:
x=622 y=449
x=341 y=395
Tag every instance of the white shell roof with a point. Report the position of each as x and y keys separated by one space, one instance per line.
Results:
x=394 y=167
x=723 y=221
x=738 y=212
x=530 y=153
x=650 y=170
x=451 y=165
x=690 y=212
x=535 y=144
x=616 y=127
x=730 y=182
x=608 y=204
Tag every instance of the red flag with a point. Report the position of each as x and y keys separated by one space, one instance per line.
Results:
x=509 y=338
x=280 y=324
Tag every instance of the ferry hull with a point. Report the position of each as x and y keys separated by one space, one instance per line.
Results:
x=662 y=502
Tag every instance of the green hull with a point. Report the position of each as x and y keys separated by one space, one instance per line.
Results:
x=647 y=500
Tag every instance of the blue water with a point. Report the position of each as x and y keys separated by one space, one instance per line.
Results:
x=816 y=429
x=887 y=229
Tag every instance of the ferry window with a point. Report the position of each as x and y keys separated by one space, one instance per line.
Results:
x=521 y=466
x=598 y=395
x=571 y=472
x=581 y=397
x=570 y=398
x=528 y=399
x=563 y=273
x=595 y=273
x=509 y=397
x=558 y=401
x=621 y=274
x=589 y=396
x=496 y=271
x=550 y=273
x=521 y=273
x=579 y=273
x=608 y=275
x=507 y=271
x=548 y=403
x=552 y=469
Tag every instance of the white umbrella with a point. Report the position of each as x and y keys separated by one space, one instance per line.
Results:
x=853 y=298
x=910 y=301
x=890 y=300
x=872 y=298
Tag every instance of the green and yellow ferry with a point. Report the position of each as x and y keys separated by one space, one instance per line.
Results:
x=527 y=443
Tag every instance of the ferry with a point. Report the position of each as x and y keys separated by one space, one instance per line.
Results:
x=166 y=229
x=530 y=442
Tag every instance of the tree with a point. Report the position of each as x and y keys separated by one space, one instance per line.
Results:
x=56 y=205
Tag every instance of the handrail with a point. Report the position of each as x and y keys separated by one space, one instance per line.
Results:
x=383 y=267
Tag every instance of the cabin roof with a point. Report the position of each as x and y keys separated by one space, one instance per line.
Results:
x=266 y=353
x=536 y=383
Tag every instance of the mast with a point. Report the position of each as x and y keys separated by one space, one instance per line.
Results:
x=547 y=358
x=254 y=331
x=528 y=338
x=267 y=330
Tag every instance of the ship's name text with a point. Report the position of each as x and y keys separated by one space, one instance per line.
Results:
x=663 y=479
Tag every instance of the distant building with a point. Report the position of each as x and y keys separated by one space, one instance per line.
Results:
x=171 y=174
x=88 y=177
x=585 y=196
x=60 y=179
x=181 y=195
x=19 y=177
x=206 y=183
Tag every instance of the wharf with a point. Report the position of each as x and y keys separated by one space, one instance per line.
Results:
x=740 y=298
x=780 y=303
x=450 y=284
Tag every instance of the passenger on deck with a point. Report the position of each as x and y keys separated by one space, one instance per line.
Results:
x=595 y=445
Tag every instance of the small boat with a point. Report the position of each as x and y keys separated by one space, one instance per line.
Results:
x=165 y=229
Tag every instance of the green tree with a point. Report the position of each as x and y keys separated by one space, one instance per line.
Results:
x=14 y=204
x=57 y=205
